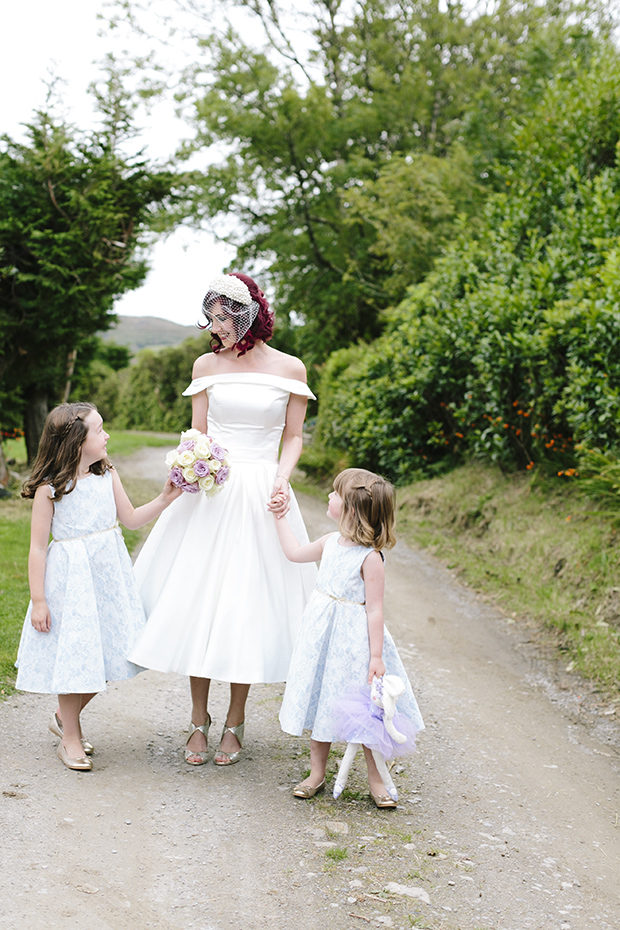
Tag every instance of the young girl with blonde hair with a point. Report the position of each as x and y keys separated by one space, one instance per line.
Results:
x=343 y=642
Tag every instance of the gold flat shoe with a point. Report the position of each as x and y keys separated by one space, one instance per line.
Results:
x=307 y=791
x=231 y=757
x=81 y=764
x=202 y=756
x=56 y=729
x=383 y=800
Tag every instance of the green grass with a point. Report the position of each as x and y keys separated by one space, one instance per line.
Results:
x=14 y=592
x=125 y=442
x=336 y=854
x=538 y=547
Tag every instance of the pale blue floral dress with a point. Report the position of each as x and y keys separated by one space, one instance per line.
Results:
x=332 y=652
x=95 y=608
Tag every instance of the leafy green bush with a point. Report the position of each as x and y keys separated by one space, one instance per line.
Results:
x=509 y=349
x=151 y=390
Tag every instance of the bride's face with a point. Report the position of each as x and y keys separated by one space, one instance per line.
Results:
x=222 y=326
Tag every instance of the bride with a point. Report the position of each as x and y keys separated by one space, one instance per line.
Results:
x=221 y=599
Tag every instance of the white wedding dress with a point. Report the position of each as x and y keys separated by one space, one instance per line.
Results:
x=222 y=600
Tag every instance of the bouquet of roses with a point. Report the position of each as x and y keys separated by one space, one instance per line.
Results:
x=198 y=464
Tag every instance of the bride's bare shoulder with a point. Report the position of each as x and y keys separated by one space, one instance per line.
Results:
x=287 y=366
x=204 y=365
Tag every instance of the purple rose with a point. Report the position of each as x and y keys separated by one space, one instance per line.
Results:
x=217 y=452
x=222 y=474
x=186 y=446
x=176 y=476
x=190 y=488
x=201 y=468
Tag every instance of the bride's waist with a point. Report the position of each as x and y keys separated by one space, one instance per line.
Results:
x=242 y=456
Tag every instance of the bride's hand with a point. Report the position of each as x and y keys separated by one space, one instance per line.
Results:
x=280 y=502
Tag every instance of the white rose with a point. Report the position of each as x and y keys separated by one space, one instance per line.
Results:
x=202 y=449
x=190 y=475
x=186 y=458
x=190 y=434
x=171 y=459
x=206 y=483
x=214 y=465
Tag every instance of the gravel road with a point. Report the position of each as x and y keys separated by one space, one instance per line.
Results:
x=507 y=819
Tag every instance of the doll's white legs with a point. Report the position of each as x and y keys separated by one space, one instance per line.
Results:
x=318 y=763
x=236 y=715
x=199 y=688
x=379 y=779
x=345 y=765
x=70 y=707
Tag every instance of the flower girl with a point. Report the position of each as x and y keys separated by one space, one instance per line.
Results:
x=343 y=643
x=85 y=611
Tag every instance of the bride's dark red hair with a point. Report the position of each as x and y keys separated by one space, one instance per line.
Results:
x=261 y=328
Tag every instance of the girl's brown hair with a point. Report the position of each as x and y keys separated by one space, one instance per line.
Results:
x=368 y=511
x=60 y=448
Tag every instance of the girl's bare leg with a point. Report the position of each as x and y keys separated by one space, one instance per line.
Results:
x=199 y=688
x=235 y=716
x=70 y=706
x=318 y=763
x=84 y=700
x=375 y=782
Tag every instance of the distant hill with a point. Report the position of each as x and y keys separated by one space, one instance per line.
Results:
x=147 y=332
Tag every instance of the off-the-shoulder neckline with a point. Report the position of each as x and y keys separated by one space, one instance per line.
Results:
x=258 y=376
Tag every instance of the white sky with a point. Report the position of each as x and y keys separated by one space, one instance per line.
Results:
x=39 y=36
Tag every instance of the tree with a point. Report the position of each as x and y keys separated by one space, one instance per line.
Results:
x=311 y=145
x=74 y=216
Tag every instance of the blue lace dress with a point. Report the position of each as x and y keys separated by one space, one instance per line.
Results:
x=332 y=651
x=95 y=608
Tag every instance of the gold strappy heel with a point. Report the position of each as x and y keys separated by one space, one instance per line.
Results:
x=231 y=757
x=202 y=756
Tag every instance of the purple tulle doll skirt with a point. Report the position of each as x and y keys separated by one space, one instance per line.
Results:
x=358 y=720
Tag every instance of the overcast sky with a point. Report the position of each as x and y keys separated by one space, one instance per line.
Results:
x=40 y=37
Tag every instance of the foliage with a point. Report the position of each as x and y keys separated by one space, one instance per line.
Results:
x=74 y=213
x=151 y=390
x=509 y=348
x=344 y=174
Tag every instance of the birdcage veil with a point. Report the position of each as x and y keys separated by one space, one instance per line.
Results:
x=228 y=300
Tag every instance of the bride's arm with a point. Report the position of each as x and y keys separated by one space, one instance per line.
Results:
x=200 y=402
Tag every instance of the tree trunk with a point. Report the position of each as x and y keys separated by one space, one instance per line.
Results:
x=4 y=471
x=71 y=357
x=34 y=420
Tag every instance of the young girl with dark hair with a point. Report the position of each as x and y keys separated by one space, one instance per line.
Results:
x=222 y=600
x=85 y=612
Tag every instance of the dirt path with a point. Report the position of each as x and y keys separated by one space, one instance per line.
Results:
x=508 y=816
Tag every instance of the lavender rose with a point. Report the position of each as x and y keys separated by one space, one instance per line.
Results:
x=186 y=445
x=222 y=474
x=201 y=468
x=176 y=476
x=217 y=452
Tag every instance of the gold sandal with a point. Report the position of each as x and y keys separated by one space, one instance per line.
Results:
x=202 y=756
x=231 y=757
x=56 y=728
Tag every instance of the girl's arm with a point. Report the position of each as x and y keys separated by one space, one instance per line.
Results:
x=373 y=574
x=135 y=517
x=292 y=445
x=42 y=512
x=310 y=552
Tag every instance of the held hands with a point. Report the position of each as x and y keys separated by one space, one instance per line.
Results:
x=280 y=501
x=170 y=492
x=376 y=668
x=40 y=617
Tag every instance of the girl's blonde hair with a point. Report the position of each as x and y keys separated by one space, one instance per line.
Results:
x=60 y=448
x=368 y=508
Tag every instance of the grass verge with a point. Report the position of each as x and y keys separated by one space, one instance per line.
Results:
x=540 y=549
